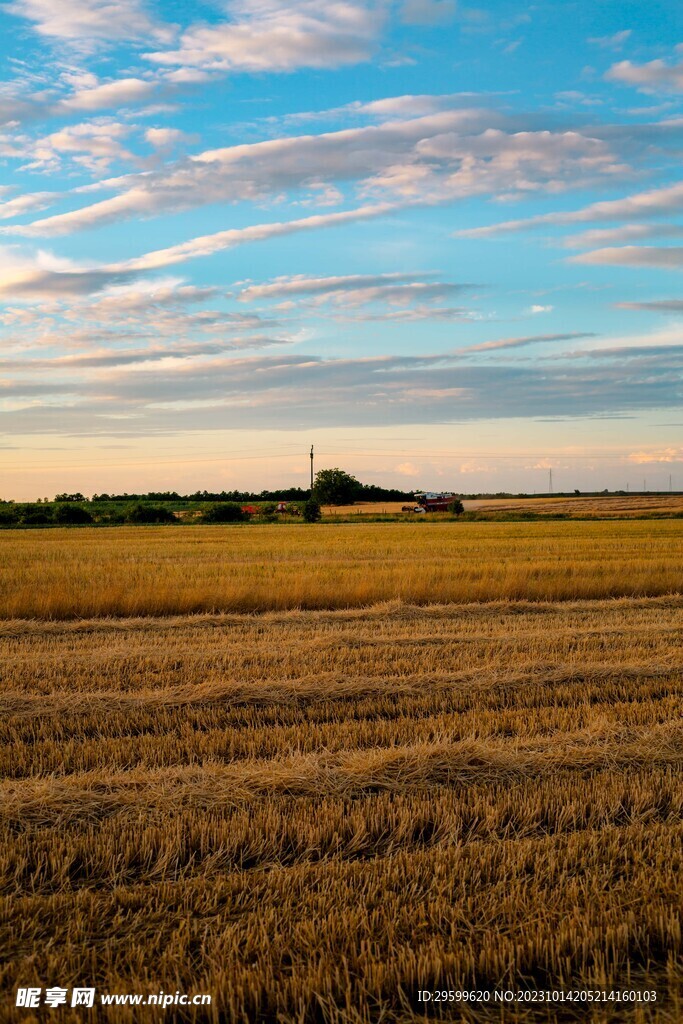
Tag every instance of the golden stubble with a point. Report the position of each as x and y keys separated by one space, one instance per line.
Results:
x=312 y=814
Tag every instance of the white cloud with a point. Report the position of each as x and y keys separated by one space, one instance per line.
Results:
x=108 y=95
x=93 y=145
x=299 y=285
x=143 y=296
x=624 y=233
x=165 y=138
x=91 y=20
x=407 y=469
x=26 y=204
x=450 y=165
x=655 y=76
x=541 y=309
x=271 y=35
x=43 y=275
x=653 y=203
x=414 y=292
x=206 y=245
x=419 y=105
x=102 y=359
x=397 y=294
x=613 y=42
x=656 y=455
x=668 y=258
x=188 y=76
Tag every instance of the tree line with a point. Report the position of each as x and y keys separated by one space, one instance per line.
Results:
x=331 y=487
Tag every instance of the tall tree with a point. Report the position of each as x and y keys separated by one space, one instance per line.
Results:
x=335 y=487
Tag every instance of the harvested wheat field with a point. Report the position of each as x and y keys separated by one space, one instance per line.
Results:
x=127 y=571
x=312 y=815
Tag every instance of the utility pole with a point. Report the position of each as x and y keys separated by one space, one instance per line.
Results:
x=550 y=480
x=669 y=483
x=311 y=469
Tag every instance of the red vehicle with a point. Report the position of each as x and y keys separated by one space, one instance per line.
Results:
x=431 y=501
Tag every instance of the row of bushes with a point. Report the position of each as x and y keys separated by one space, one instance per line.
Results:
x=76 y=515
x=71 y=514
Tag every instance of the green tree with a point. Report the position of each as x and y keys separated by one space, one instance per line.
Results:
x=312 y=511
x=35 y=515
x=140 y=513
x=335 y=487
x=8 y=515
x=72 y=515
x=456 y=507
x=225 y=512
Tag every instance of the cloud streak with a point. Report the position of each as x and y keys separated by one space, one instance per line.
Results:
x=666 y=258
x=658 y=202
x=534 y=339
x=267 y=391
x=439 y=157
x=354 y=290
x=207 y=245
x=23 y=279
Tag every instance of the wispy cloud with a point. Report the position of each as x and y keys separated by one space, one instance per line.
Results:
x=394 y=289
x=612 y=42
x=533 y=339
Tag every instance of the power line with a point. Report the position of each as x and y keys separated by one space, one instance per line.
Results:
x=290 y=451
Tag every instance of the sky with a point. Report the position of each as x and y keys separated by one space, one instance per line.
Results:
x=442 y=242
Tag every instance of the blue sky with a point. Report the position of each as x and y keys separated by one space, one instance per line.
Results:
x=441 y=241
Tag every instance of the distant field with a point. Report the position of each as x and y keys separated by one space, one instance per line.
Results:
x=313 y=815
x=617 y=506
x=62 y=573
